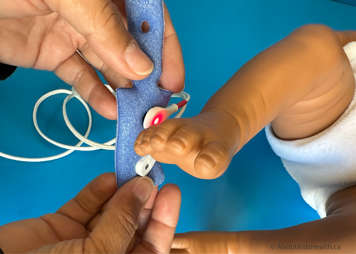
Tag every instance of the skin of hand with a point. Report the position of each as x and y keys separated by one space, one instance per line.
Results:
x=101 y=219
x=301 y=85
x=73 y=38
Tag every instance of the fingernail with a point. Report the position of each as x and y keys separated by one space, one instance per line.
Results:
x=143 y=188
x=137 y=60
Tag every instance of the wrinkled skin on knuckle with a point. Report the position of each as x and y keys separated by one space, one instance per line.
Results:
x=93 y=245
x=127 y=220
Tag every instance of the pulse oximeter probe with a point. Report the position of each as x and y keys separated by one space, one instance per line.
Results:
x=140 y=107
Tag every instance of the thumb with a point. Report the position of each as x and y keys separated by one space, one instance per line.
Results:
x=101 y=24
x=120 y=218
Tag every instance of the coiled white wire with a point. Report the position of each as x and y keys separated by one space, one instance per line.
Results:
x=83 y=139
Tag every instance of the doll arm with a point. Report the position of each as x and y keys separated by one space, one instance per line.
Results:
x=334 y=234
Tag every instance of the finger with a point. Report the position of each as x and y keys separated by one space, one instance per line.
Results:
x=146 y=212
x=120 y=220
x=23 y=8
x=100 y=22
x=143 y=219
x=115 y=79
x=76 y=72
x=94 y=221
x=159 y=234
x=14 y=44
x=90 y=200
x=173 y=72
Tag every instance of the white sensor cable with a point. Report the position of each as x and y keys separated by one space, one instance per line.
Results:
x=83 y=139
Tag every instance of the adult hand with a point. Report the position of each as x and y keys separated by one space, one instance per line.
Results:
x=102 y=219
x=48 y=34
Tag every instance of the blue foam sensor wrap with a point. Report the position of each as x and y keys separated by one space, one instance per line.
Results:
x=134 y=103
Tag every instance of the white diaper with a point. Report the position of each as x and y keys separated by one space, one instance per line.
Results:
x=324 y=163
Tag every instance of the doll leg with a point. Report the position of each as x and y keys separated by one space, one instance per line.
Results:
x=301 y=84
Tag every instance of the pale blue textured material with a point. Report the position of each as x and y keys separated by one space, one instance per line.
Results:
x=134 y=103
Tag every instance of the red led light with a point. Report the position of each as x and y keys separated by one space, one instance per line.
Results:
x=157 y=119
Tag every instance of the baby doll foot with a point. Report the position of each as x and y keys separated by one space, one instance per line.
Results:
x=203 y=146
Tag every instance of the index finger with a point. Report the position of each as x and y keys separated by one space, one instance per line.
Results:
x=120 y=220
x=90 y=200
x=173 y=73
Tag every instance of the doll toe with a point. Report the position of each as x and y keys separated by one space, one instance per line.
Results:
x=212 y=161
x=162 y=133
x=184 y=140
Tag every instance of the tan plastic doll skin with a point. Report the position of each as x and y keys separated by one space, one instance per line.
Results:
x=301 y=85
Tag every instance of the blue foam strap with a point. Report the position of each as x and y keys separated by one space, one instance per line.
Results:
x=134 y=103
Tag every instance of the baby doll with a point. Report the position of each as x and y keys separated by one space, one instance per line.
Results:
x=303 y=87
